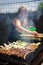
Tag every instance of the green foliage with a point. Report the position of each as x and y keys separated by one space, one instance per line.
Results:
x=40 y=7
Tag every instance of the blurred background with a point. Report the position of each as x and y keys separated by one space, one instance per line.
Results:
x=8 y=10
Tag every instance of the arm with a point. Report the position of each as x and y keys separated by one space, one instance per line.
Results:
x=20 y=28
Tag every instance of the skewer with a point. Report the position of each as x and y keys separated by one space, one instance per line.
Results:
x=32 y=36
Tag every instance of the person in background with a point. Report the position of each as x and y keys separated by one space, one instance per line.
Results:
x=21 y=22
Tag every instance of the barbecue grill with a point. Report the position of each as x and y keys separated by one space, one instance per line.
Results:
x=34 y=57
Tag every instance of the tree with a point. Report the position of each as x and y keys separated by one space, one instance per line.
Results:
x=40 y=7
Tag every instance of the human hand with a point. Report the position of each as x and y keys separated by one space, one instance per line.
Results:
x=35 y=33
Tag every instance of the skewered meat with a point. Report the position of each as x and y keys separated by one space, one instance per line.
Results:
x=18 y=49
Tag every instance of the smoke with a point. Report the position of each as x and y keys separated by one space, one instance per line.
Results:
x=6 y=28
x=26 y=24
